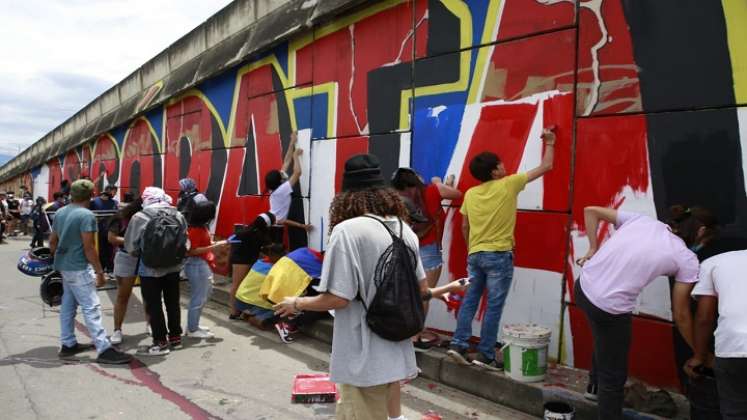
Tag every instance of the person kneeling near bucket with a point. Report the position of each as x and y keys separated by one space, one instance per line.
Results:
x=612 y=278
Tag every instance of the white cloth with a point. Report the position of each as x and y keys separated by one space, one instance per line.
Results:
x=280 y=201
x=723 y=276
x=359 y=356
x=154 y=196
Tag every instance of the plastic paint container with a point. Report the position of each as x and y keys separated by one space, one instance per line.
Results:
x=525 y=351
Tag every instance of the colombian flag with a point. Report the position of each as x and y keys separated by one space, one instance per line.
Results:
x=291 y=275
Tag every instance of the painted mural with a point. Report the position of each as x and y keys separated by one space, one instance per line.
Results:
x=641 y=122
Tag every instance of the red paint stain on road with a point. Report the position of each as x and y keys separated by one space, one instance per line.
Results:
x=152 y=381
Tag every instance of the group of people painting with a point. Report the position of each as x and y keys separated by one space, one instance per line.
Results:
x=369 y=369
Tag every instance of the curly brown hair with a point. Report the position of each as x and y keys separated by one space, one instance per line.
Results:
x=381 y=202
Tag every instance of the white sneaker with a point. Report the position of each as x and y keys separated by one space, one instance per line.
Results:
x=116 y=337
x=203 y=328
x=200 y=334
x=155 y=350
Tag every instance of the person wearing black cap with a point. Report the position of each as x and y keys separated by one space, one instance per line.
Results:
x=367 y=367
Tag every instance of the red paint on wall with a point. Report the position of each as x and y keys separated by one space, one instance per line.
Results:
x=611 y=153
x=104 y=159
x=620 y=89
x=55 y=177
x=71 y=168
x=141 y=146
x=189 y=118
x=651 y=356
x=541 y=240
x=85 y=163
x=524 y=17
x=558 y=112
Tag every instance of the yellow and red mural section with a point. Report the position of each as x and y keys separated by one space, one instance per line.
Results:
x=641 y=125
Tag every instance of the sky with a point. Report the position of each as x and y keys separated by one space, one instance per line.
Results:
x=56 y=56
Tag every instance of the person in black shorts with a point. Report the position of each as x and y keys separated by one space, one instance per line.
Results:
x=245 y=248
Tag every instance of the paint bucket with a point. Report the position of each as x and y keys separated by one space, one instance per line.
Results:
x=558 y=410
x=525 y=351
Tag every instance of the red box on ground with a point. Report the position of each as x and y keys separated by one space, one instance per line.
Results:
x=313 y=388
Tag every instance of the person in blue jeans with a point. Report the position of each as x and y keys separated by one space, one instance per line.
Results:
x=488 y=221
x=73 y=246
x=199 y=266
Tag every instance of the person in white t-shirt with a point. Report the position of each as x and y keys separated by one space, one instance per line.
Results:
x=721 y=294
x=281 y=186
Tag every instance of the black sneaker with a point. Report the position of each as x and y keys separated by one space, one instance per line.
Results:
x=490 y=364
x=71 y=351
x=591 y=392
x=112 y=356
x=422 y=346
x=458 y=355
x=175 y=342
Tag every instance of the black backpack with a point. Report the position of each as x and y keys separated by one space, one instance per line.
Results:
x=396 y=312
x=164 y=241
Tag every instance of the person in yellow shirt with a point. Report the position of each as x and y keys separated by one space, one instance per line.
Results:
x=489 y=218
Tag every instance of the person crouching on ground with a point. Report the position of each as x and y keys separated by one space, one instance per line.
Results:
x=200 y=265
x=364 y=365
x=125 y=265
x=258 y=310
x=246 y=244
x=158 y=282
x=73 y=246
x=612 y=278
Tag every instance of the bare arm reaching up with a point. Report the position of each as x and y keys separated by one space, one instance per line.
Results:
x=548 y=136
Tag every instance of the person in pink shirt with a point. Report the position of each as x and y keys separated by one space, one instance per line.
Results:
x=612 y=277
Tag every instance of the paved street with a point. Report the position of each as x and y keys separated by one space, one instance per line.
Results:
x=242 y=374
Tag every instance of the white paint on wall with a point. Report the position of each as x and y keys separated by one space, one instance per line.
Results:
x=304 y=143
x=742 y=118
x=41 y=183
x=567 y=344
x=404 y=150
x=531 y=196
x=322 y=190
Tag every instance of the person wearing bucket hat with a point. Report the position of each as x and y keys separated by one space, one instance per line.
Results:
x=367 y=367
x=73 y=245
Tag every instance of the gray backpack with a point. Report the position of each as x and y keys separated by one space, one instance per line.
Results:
x=164 y=241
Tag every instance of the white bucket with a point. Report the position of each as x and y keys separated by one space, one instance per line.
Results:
x=525 y=351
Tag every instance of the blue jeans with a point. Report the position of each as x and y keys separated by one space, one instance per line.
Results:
x=492 y=271
x=200 y=279
x=79 y=288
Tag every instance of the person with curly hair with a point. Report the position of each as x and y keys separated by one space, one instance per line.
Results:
x=367 y=367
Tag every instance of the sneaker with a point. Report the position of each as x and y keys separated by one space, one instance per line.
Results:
x=112 y=356
x=234 y=317
x=200 y=334
x=422 y=346
x=71 y=351
x=591 y=392
x=175 y=342
x=458 y=355
x=490 y=364
x=156 y=350
x=116 y=337
x=282 y=330
x=203 y=328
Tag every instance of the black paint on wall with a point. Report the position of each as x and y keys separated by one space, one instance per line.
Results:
x=696 y=160
x=185 y=157
x=681 y=49
x=135 y=177
x=249 y=184
x=218 y=161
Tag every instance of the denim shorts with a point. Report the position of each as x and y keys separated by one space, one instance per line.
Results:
x=431 y=257
x=125 y=265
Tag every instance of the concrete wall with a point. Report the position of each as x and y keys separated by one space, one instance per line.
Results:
x=641 y=125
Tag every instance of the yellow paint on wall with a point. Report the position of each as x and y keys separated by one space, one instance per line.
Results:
x=735 y=13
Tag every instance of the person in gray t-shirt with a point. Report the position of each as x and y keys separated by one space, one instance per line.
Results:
x=366 y=367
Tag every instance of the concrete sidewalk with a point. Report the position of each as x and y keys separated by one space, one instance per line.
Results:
x=562 y=383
